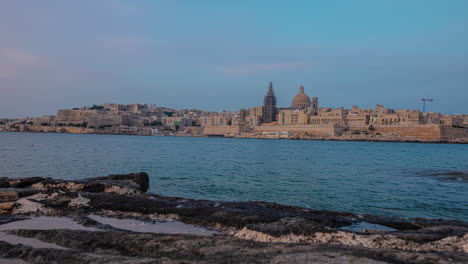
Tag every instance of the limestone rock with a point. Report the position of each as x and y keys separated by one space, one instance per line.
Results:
x=14 y=194
x=141 y=178
x=253 y=232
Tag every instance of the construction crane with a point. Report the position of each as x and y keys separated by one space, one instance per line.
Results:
x=424 y=103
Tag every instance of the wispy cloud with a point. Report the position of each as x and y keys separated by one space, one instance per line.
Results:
x=18 y=56
x=14 y=61
x=256 y=68
x=7 y=73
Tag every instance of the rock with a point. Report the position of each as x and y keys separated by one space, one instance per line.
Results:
x=141 y=178
x=129 y=247
x=26 y=206
x=14 y=194
x=8 y=218
x=124 y=184
x=453 y=176
x=79 y=202
x=8 y=206
x=119 y=187
x=18 y=182
x=258 y=232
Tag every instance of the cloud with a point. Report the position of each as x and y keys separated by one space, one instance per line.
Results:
x=7 y=73
x=255 y=68
x=14 y=62
x=18 y=56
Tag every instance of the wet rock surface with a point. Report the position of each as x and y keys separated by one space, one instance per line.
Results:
x=111 y=219
x=453 y=176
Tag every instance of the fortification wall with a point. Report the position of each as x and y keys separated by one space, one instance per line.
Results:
x=223 y=130
x=454 y=132
x=104 y=120
x=68 y=129
x=194 y=130
x=72 y=116
x=358 y=127
x=92 y=117
x=319 y=130
x=427 y=132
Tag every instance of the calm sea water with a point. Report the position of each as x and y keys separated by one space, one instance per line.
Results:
x=364 y=177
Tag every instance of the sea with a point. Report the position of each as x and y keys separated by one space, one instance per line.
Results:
x=390 y=179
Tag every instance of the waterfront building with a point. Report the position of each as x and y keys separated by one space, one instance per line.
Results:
x=327 y=116
x=124 y=130
x=290 y=116
x=357 y=119
x=251 y=117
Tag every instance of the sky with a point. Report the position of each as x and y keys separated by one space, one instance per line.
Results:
x=221 y=55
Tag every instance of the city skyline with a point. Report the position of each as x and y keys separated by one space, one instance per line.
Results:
x=285 y=104
x=221 y=56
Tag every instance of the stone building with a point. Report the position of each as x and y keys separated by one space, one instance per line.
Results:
x=410 y=117
x=452 y=121
x=432 y=118
x=386 y=116
x=114 y=107
x=177 y=121
x=124 y=130
x=353 y=119
x=290 y=116
x=251 y=117
x=327 y=116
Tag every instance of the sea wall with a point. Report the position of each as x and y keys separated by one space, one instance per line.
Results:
x=426 y=132
x=454 y=132
x=223 y=130
x=67 y=129
x=319 y=130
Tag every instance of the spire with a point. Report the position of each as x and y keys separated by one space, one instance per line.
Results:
x=269 y=105
x=270 y=90
x=270 y=98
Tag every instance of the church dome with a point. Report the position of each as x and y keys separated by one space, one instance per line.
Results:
x=301 y=100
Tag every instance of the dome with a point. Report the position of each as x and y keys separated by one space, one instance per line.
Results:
x=301 y=100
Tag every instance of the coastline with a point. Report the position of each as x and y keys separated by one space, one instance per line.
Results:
x=72 y=220
x=321 y=138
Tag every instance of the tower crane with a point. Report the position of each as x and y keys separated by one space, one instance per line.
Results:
x=424 y=100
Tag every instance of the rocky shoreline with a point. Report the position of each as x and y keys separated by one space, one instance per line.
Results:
x=113 y=219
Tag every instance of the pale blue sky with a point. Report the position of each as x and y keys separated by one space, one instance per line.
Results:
x=220 y=55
